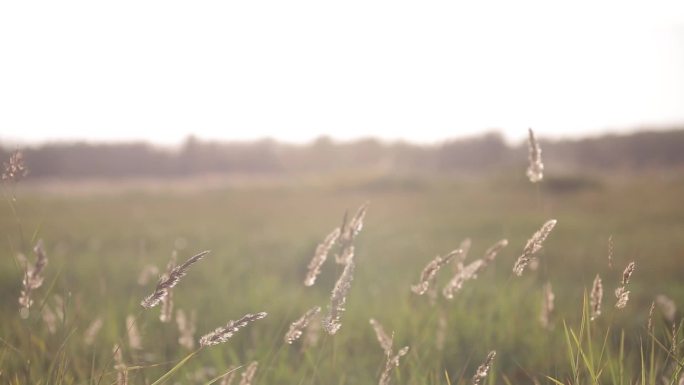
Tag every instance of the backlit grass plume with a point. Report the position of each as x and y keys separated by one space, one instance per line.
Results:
x=15 y=168
x=248 y=374
x=338 y=297
x=456 y=283
x=320 y=256
x=33 y=277
x=533 y=245
x=384 y=340
x=297 y=327
x=483 y=369
x=596 y=297
x=621 y=293
x=167 y=282
x=224 y=333
x=535 y=169
x=427 y=276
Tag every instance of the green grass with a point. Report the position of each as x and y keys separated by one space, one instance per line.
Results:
x=262 y=237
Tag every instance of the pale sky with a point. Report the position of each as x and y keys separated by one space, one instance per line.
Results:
x=295 y=70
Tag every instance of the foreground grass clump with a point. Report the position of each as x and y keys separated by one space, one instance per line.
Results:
x=263 y=239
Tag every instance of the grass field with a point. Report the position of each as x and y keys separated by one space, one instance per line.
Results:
x=262 y=236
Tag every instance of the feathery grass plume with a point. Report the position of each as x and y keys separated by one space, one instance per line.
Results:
x=667 y=307
x=166 y=311
x=384 y=340
x=297 y=327
x=429 y=273
x=621 y=293
x=14 y=169
x=338 y=297
x=33 y=278
x=491 y=253
x=483 y=369
x=596 y=298
x=92 y=331
x=348 y=232
x=391 y=362
x=627 y=274
x=120 y=367
x=229 y=376
x=186 y=328
x=147 y=273
x=456 y=283
x=350 y=229
x=167 y=282
x=651 y=310
x=441 y=332
x=223 y=333
x=547 y=306
x=321 y=254
x=533 y=245
x=610 y=251
x=248 y=374
x=134 y=339
x=458 y=261
x=535 y=169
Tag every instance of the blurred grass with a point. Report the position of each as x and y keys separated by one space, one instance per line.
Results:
x=262 y=238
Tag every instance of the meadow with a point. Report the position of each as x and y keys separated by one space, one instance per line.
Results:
x=262 y=236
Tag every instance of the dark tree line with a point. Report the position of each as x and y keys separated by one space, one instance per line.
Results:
x=482 y=154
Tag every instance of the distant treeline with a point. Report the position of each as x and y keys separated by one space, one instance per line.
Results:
x=482 y=154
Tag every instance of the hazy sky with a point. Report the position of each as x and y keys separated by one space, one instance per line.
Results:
x=294 y=70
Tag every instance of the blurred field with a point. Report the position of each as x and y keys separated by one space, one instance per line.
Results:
x=262 y=236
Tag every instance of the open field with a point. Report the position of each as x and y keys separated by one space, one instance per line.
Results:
x=262 y=236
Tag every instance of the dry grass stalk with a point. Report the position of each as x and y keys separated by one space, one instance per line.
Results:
x=458 y=261
x=621 y=293
x=134 y=339
x=224 y=333
x=596 y=297
x=627 y=274
x=320 y=256
x=533 y=245
x=33 y=278
x=120 y=367
x=535 y=169
x=491 y=253
x=384 y=340
x=297 y=327
x=168 y=281
x=14 y=169
x=92 y=331
x=229 y=376
x=456 y=283
x=547 y=306
x=391 y=362
x=651 y=310
x=350 y=229
x=331 y=323
x=429 y=273
x=483 y=369
x=610 y=251
x=186 y=328
x=248 y=374
x=667 y=307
